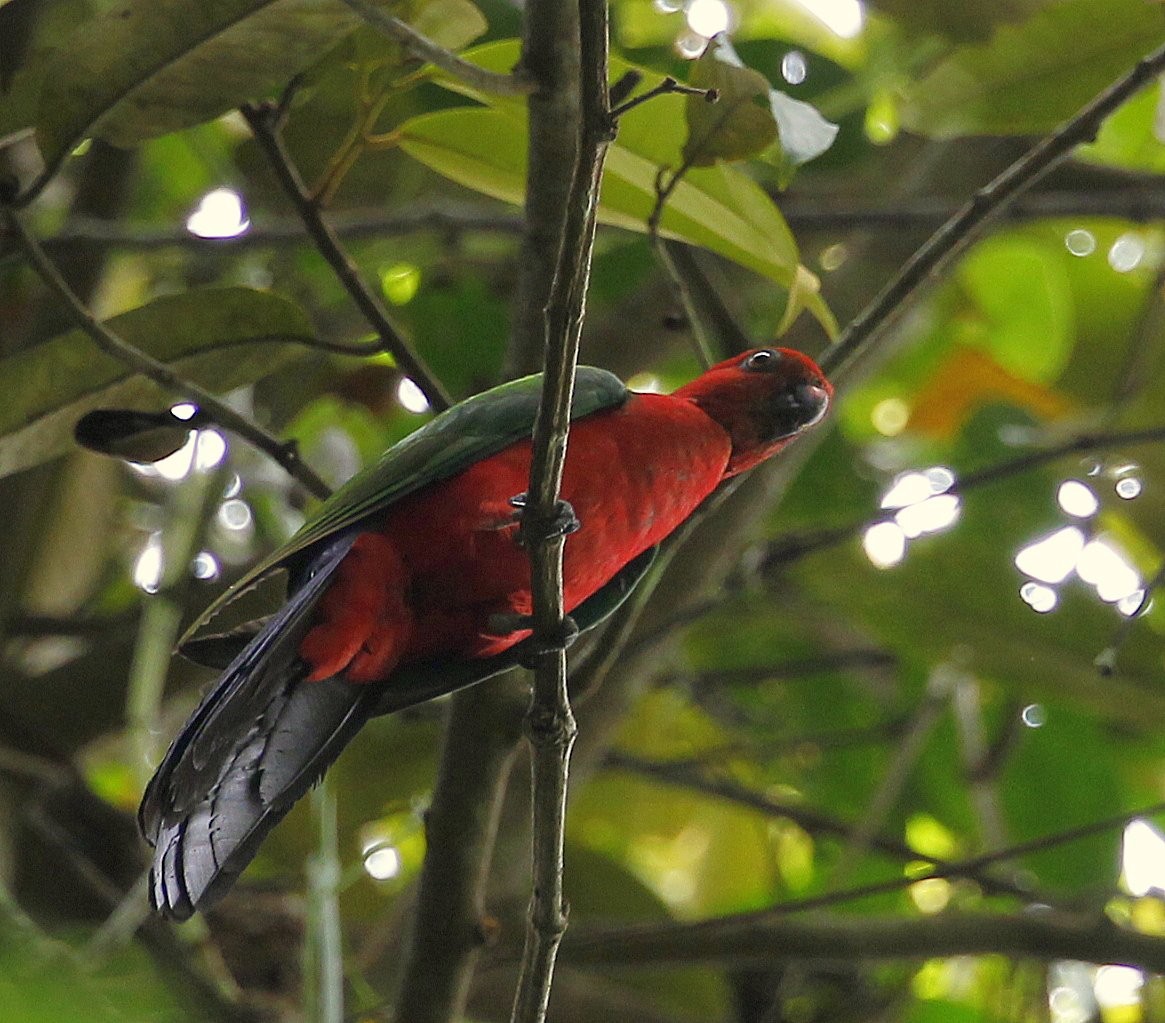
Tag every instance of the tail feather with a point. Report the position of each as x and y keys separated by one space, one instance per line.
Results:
x=255 y=744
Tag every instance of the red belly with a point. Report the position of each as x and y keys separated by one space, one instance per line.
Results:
x=632 y=475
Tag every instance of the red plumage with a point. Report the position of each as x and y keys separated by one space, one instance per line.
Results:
x=444 y=568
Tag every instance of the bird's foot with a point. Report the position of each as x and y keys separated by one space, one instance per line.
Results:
x=535 y=646
x=562 y=521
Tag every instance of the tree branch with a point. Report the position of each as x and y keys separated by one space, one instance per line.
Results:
x=264 y=120
x=813 y=821
x=550 y=722
x=449 y=923
x=795 y=546
x=423 y=47
x=286 y=454
x=450 y=218
x=761 y=938
x=958 y=232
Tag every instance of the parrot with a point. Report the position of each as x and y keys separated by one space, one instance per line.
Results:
x=412 y=581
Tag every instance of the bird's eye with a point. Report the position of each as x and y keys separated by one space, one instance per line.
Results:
x=761 y=360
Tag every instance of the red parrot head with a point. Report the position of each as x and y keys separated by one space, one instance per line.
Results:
x=763 y=398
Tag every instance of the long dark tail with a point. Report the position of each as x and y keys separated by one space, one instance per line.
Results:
x=257 y=742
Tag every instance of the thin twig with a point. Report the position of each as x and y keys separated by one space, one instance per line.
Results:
x=903 y=760
x=286 y=454
x=550 y=722
x=665 y=88
x=264 y=120
x=813 y=821
x=423 y=47
x=1045 y=937
x=791 y=548
x=802 y=213
x=958 y=232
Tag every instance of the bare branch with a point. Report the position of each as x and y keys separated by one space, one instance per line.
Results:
x=1045 y=936
x=264 y=121
x=957 y=233
x=550 y=723
x=423 y=47
x=449 y=925
x=286 y=455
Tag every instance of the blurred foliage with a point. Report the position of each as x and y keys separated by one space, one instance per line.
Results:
x=909 y=682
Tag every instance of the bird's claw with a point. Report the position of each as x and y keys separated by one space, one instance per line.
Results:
x=561 y=522
x=535 y=646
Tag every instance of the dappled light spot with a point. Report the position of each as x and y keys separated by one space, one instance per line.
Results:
x=890 y=416
x=382 y=862
x=930 y=516
x=235 y=515
x=1126 y=253
x=147 y=569
x=411 y=397
x=931 y=895
x=1077 y=499
x=1118 y=986
x=1080 y=242
x=833 y=257
x=708 y=17
x=690 y=45
x=205 y=566
x=884 y=544
x=1129 y=487
x=220 y=214
x=793 y=67
x=1052 y=559
x=1034 y=715
x=1134 y=603
x=1142 y=859
x=844 y=18
x=1039 y=597
x=1103 y=566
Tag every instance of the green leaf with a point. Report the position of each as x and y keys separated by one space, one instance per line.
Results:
x=23 y=80
x=143 y=69
x=1029 y=77
x=716 y=207
x=221 y=339
x=740 y=123
x=1023 y=303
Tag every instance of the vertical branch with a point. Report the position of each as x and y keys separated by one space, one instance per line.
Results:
x=450 y=927
x=323 y=949
x=550 y=723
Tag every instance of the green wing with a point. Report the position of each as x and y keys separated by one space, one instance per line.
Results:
x=467 y=433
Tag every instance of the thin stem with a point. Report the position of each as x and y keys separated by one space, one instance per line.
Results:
x=450 y=218
x=264 y=122
x=791 y=548
x=1045 y=937
x=323 y=945
x=423 y=47
x=905 y=756
x=958 y=232
x=665 y=88
x=286 y=455
x=806 y=817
